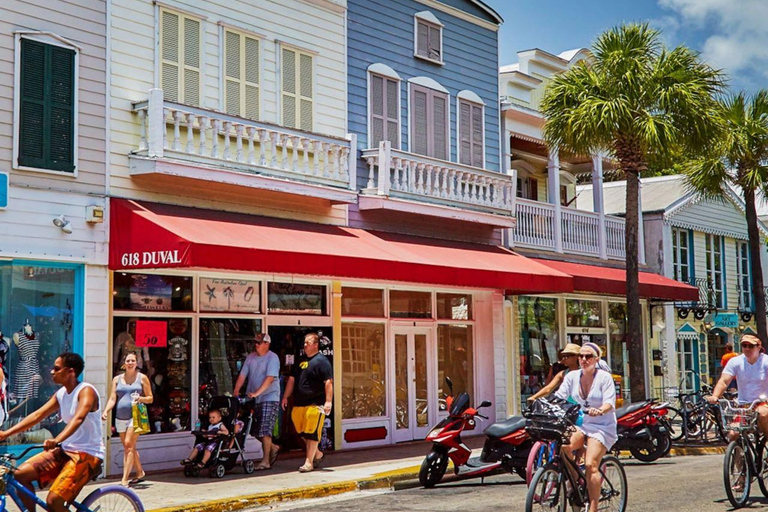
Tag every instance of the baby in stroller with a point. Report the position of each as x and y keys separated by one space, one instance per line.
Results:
x=220 y=444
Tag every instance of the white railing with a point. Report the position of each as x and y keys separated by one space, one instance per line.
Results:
x=535 y=224
x=182 y=131
x=400 y=174
x=580 y=230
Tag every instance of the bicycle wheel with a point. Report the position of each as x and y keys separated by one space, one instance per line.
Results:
x=113 y=498
x=761 y=465
x=736 y=474
x=713 y=427
x=547 y=491
x=675 y=419
x=537 y=457
x=613 y=489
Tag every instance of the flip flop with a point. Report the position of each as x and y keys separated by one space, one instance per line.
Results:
x=137 y=480
x=261 y=467
x=273 y=454
x=316 y=463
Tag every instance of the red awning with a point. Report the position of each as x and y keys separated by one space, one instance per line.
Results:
x=150 y=235
x=613 y=281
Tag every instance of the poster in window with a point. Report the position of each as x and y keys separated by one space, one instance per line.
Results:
x=150 y=292
x=230 y=295
x=293 y=299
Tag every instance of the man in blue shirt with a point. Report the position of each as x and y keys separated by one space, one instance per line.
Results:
x=261 y=369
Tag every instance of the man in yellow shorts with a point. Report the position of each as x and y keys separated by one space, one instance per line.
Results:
x=76 y=453
x=312 y=381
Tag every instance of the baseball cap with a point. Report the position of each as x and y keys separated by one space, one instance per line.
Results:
x=267 y=338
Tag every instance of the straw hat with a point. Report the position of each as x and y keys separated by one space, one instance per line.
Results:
x=571 y=349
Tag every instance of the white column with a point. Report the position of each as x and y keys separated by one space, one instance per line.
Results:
x=155 y=123
x=597 y=202
x=384 y=164
x=553 y=186
x=640 y=227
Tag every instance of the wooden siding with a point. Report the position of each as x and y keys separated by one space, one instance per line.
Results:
x=722 y=216
x=84 y=24
x=381 y=31
x=301 y=24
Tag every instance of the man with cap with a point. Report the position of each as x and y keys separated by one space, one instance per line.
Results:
x=261 y=369
x=750 y=369
x=569 y=357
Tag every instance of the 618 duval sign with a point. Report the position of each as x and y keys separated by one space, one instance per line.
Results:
x=149 y=258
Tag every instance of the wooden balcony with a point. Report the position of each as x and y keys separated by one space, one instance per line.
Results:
x=187 y=142
x=402 y=181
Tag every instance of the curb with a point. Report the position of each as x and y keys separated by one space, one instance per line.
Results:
x=679 y=451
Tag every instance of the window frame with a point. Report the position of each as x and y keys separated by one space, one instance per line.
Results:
x=472 y=104
x=746 y=298
x=677 y=263
x=431 y=21
x=183 y=14
x=281 y=93
x=711 y=249
x=243 y=33
x=55 y=40
x=431 y=92
x=398 y=81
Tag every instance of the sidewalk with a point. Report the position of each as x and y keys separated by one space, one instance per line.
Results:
x=376 y=468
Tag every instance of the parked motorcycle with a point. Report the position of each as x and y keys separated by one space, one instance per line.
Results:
x=506 y=446
x=644 y=430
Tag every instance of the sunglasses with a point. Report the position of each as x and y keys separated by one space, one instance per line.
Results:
x=586 y=357
x=748 y=345
x=260 y=342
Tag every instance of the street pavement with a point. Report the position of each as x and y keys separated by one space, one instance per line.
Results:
x=682 y=484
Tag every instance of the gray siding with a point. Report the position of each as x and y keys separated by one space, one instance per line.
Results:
x=709 y=215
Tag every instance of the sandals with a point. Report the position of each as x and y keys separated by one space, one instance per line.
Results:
x=186 y=462
x=262 y=466
x=273 y=454
x=319 y=460
x=306 y=468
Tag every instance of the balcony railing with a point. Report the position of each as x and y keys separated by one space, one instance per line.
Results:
x=537 y=227
x=396 y=173
x=184 y=132
x=709 y=298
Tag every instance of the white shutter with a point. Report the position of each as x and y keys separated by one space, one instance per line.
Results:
x=440 y=126
x=419 y=122
x=384 y=111
x=289 y=87
x=393 y=112
x=180 y=58
x=241 y=75
x=434 y=43
x=477 y=136
x=251 y=77
x=298 y=89
x=465 y=131
x=377 y=100
x=422 y=39
x=306 y=121
x=170 y=41
x=232 y=77
x=191 y=62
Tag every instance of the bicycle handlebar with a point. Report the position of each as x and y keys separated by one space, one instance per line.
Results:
x=752 y=406
x=11 y=456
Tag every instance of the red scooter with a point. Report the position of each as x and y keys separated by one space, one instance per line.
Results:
x=506 y=446
x=643 y=429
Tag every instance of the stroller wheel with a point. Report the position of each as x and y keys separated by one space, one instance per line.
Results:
x=248 y=466
x=187 y=471
x=194 y=471
x=218 y=470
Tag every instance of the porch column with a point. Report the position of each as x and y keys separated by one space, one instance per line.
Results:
x=553 y=187
x=640 y=227
x=597 y=203
x=337 y=363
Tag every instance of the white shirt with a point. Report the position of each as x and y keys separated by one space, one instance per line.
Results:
x=88 y=438
x=752 y=378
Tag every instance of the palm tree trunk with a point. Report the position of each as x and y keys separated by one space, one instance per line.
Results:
x=758 y=292
x=635 y=345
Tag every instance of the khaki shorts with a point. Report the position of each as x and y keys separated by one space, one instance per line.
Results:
x=308 y=421
x=69 y=471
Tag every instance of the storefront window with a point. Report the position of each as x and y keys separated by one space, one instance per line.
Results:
x=367 y=302
x=152 y=292
x=454 y=359
x=584 y=313
x=40 y=317
x=224 y=345
x=537 y=318
x=163 y=348
x=410 y=304
x=618 y=358
x=296 y=299
x=229 y=295
x=363 y=381
x=454 y=306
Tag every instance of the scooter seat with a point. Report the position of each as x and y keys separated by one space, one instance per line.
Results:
x=629 y=409
x=506 y=427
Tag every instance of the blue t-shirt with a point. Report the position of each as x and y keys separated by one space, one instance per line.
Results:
x=257 y=368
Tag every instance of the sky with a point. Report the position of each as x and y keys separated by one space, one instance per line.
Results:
x=730 y=34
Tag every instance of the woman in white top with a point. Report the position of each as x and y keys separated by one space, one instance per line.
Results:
x=593 y=389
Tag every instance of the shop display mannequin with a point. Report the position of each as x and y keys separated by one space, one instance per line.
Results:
x=26 y=381
x=125 y=343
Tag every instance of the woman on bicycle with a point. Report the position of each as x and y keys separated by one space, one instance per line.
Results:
x=569 y=358
x=594 y=390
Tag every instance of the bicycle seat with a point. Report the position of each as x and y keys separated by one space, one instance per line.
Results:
x=506 y=427
x=629 y=409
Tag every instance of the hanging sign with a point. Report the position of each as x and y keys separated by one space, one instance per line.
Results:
x=152 y=333
x=230 y=295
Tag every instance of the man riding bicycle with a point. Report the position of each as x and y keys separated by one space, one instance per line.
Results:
x=76 y=453
x=750 y=369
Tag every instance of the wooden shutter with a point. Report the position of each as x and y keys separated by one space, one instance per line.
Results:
x=434 y=43
x=289 y=88
x=429 y=122
x=419 y=121
x=241 y=75
x=470 y=133
x=428 y=41
x=422 y=39
x=180 y=42
x=306 y=117
x=384 y=111
x=298 y=90
x=534 y=186
x=440 y=126
x=47 y=107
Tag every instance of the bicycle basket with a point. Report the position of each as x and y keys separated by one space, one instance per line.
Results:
x=545 y=427
x=738 y=418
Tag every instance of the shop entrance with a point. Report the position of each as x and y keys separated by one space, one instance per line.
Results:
x=288 y=344
x=413 y=373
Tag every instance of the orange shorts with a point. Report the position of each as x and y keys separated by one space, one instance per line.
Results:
x=69 y=471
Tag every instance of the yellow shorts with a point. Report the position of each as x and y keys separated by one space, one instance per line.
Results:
x=308 y=421
x=69 y=471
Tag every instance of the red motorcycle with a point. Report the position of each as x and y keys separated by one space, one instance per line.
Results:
x=506 y=446
x=644 y=430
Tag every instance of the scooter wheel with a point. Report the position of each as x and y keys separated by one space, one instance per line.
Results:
x=433 y=468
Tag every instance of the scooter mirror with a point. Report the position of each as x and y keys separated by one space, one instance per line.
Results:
x=485 y=403
x=449 y=383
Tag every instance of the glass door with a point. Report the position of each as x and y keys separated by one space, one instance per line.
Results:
x=414 y=404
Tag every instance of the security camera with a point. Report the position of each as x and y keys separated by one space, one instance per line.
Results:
x=60 y=221
x=67 y=227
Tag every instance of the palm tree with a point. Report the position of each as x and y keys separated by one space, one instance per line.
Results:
x=633 y=100
x=738 y=159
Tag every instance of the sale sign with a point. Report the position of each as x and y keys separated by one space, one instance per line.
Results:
x=151 y=333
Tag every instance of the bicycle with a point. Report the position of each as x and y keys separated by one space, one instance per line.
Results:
x=696 y=418
x=111 y=498
x=749 y=447
x=562 y=481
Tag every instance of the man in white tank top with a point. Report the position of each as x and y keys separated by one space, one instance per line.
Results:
x=76 y=453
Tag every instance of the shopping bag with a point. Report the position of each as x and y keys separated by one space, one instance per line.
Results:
x=140 y=419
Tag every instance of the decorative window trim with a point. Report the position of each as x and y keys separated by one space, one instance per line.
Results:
x=470 y=96
x=56 y=40
x=389 y=73
x=429 y=83
x=467 y=97
x=384 y=70
x=430 y=20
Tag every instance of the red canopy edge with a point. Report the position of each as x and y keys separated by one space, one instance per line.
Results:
x=151 y=235
x=613 y=281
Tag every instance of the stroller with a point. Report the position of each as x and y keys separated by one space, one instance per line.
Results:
x=229 y=448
